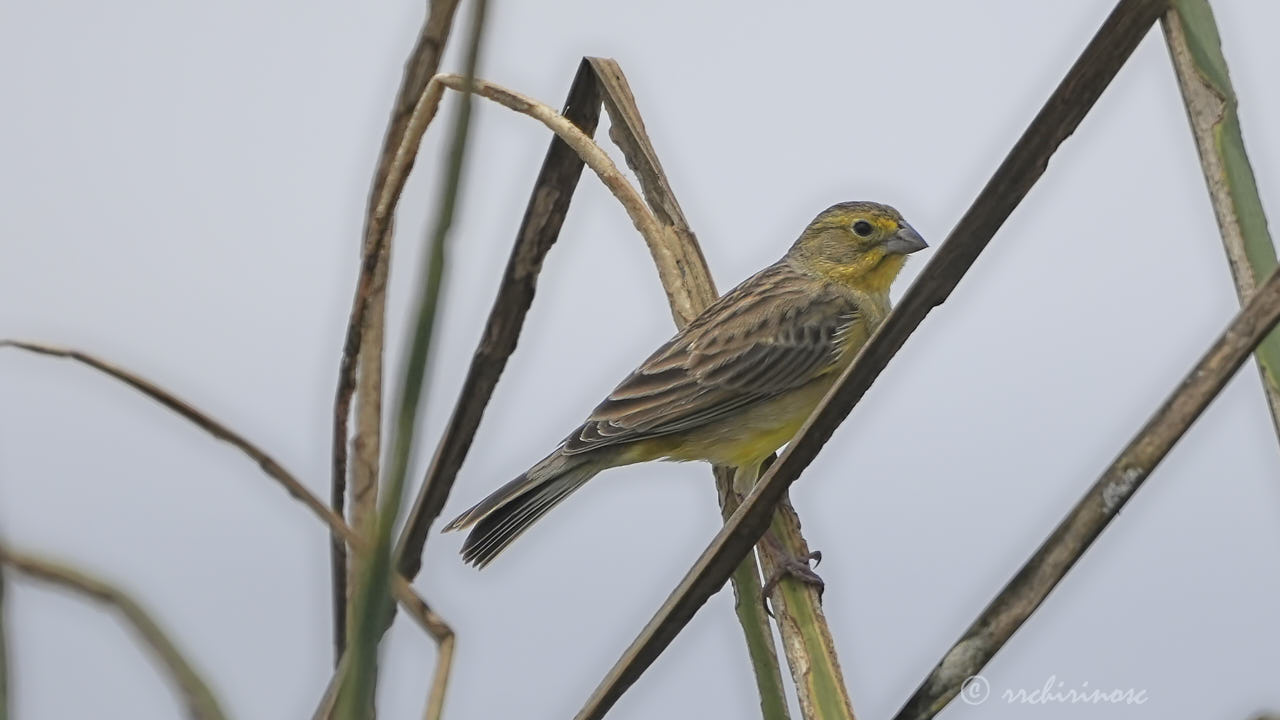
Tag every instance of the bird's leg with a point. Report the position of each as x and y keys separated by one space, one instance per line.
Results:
x=773 y=544
x=787 y=565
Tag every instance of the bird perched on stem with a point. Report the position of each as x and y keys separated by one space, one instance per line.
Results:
x=737 y=382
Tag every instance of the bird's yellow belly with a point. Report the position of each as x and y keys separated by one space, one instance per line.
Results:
x=752 y=436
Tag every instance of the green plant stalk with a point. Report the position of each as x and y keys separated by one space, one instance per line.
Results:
x=1212 y=109
x=373 y=599
x=748 y=604
x=806 y=637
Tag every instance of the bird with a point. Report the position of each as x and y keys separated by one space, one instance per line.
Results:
x=736 y=383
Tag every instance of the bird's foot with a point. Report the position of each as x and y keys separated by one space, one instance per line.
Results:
x=796 y=568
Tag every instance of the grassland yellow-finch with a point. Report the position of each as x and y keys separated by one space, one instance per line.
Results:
x=736 y=383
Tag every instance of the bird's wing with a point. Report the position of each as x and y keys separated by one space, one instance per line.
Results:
x=769 y=335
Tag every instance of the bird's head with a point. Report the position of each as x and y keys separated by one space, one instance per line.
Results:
x=860 y=244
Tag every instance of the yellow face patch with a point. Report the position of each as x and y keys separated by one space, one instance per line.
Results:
x=885 y=224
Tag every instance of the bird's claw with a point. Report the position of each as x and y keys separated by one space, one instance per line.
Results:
x=797 y=568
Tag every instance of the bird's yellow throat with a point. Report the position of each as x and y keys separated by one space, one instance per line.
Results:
x=871 y=274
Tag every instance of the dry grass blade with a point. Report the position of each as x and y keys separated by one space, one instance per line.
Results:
x=679 y=259
x=602 y=165
x=372 y=609
x=1196 y=51
x=202 y=420
x=1073 y=536
x=539 y=229
x=414 y=605
x=367 y=442
x=329 y=699
x=1062 y=113
x=388 y=180
x=402 y=162
x=4 y=655
x=196 y=695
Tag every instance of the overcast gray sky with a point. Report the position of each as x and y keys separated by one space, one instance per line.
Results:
x=182 y=192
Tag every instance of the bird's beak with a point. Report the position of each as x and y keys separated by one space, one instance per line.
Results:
x=905 y=241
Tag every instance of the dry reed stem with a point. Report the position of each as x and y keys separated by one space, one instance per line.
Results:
x=4 y=655
x=402 y=162
x=408 y=598
x=368 y=434
x=196 y=695
x=422 y=64
x=1100 y=505
x=372 y=610
x=654 y=233
x=684 y=307
x=329 y=698
x=539 y=229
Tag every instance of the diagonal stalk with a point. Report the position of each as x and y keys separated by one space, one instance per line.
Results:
x=1196 y=51
x=1100 y=505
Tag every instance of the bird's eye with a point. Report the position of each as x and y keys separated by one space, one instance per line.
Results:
x=862 y=228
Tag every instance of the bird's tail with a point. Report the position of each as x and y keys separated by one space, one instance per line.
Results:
x=512 y=508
